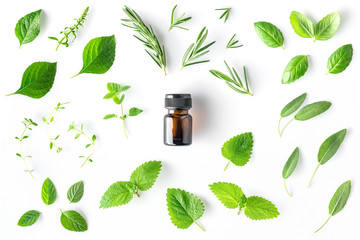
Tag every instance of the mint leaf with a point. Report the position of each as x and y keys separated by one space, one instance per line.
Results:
x=184 y=208
x=238 y=149
x=340 y=59
x=302 y=26
x=134 y=111
x=145 y=175
x=258 y=208
x=228 y=194
x=75 y=192
x=119 y=193
x=108 y=116
x=28 y=27
x=327 y=27
x=48 y=192
x=269 y=34
x=295 y=69
x=37 y=80
x=73 y=221
x=29 y=218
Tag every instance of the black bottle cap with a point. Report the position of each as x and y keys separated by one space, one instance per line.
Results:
x=182 y=101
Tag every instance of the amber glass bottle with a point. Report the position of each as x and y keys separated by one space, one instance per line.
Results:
x=178 y=121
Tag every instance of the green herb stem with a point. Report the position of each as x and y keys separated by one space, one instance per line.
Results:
x=238 y=213
x=47 y=128
x=199 y=226
x=279 y=126
x=123 y=119
x=312 y=177
x=21 y=150
x=323 y=224
x=92 y=143
x=286 y=126
x=227 y=165
x=286 y=188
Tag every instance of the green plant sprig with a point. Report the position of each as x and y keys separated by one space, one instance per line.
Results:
x=49 y=120
x=196 y=50
x=80 y=132
x=71 y=30
x=116 y=93
x=27 y=123
x=147 y=37
x=233 y=43
x=225 y=14
x=233 y=81
x=175 y=22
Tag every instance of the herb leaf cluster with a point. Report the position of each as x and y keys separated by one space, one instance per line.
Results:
x=176 y=21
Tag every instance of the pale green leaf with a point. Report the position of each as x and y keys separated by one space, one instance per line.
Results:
x=48 y=192
x=145 y=175
x=291 y=163
x=28 y=27
x=29 y=218
x=73 y=221
x=269 y=34
x=295 y=69
x=228 y=194
x=327 y=27
x=302 y=26
x=292 y=106
x=258 y=208
x=75 y=192
x=312 y=110
x=238 y=149
x=330 y=146
x=119 y=193
x=340 y=59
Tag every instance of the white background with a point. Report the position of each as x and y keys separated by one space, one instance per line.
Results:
x=219 y=114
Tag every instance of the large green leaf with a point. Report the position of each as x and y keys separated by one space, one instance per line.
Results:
x=145 y=175
x=98 y=55
x=291 y=163
x=184 y=208
x=269 y=34
x=340 y=59
x=37 y=80
x=292 y=106
x=258 y=208
x=119 y=193
x=228 y=194
x=75 y=192
x=338 y=201
x=29 y=218
x=302 y=26
x=295 y=69
x=28 y=27
x=238 y=149
x=73 y=221
x=312 y=110
x=48 y=192
x=327 y=27
x=330 y=146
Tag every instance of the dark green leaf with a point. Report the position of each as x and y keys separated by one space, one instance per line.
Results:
x=338 y=201
x=134 y=111
x=312 y=110
x=48 y=192
x=29 y=218
x=110 y=116
x=330 y=146
x=75 y=192
x=292 y=106
x=295 y=69
x=73 y=221
x=340 y=59
x=291 y=163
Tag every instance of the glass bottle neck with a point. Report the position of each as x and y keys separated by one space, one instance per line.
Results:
x=179 y=111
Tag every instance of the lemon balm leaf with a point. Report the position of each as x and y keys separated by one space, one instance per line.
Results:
x=229 y=194
x=145 y=175
x=258 y=208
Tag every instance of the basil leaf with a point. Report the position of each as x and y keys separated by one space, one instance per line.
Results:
x=134 y=111
x=269 y=34
x=291 y=163
x=28 y=27
x=295 y=69
x=312 y=110
x=340 y=59
x=29 y=218
x=302 y=26
x=330 y=146
x=37 y=80
x=119 y=193
x=48 y=192
x=98 y=55
x=75 y=192
x=327 y=27
x=145 y=175
x=73 y=221
x=292 y=106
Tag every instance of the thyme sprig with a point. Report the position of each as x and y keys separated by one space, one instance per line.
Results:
x=196 y=50
x=80 y=132
x=233 y=81
x=68 y=31
x=233 y=43
x=225 y=14
x=147 y=37
x=175 y=22
x=28 y=123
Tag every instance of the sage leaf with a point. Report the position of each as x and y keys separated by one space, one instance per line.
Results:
x=258 y=208
x=29 y=218
x=48 y=192
x=119 y=193
x=184 y=208
x=327 y=27
x=37 y=80
x=338 y=201
x=328 y=149
x=98 y=55
x=302 y=26
x=145 y=175
x=312 y=110
x=229 y=194
x=292 y=106
x=28 y=27
x=238 y=149
x=269 y=34
x=340 y=59
x=295 y=69
x=290 y=166
x=73 y=221
x=75 y=192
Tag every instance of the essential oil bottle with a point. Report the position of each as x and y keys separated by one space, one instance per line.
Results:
x=178 y=121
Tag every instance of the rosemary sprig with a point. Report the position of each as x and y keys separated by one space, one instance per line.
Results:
x=233 y=81
x=196 y=50
x=27 y=123
x=71 y=30
x=80 y=132
x=49 y=120
x=175 y=22
x=116 y=93
x=233 y=43
x=225 y=14
x=147 y=37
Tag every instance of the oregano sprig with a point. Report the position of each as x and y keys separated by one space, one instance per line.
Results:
x=28 y=123
x=225 y=14
x=176 y=21
x=147 y=37
x=92 y=139
x=233 y=81
x=49 y=120
x=116 y=93
x=196 y=50
x=68 y=31
x=233 y=43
